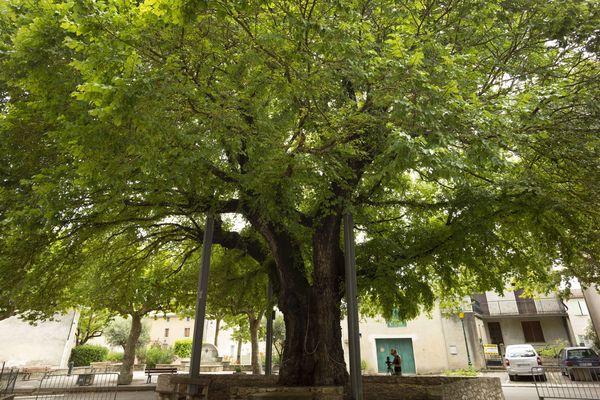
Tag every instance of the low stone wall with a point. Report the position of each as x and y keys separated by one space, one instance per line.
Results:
x=248 y=387
x=431 y=388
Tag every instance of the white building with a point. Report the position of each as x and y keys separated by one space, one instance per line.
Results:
x=46 y=343
x=166 y=329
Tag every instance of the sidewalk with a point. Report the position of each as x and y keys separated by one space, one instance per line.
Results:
x=137 y=384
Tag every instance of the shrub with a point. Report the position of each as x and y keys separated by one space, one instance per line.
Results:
x=183 y=348
x=85 y=354
x=469 y=371
x=157 y=355
x=552 y=350
x=363 y=365
x=115 y=356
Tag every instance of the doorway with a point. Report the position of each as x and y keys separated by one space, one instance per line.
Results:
x=404 y=348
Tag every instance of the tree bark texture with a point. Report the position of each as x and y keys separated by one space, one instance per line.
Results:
x=126 y=372
x=254 y=324
x=313 y=353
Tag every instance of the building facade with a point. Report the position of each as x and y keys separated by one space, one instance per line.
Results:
x=428 y=344
x=46 y=343
x=512 y=318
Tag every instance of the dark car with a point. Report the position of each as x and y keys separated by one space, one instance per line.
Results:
x=579 y=363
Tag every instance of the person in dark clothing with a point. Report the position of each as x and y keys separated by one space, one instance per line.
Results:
x=397 y=362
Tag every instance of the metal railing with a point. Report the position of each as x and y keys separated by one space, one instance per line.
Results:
x=567 y=382
x=519 y=307
x=82 y=386
x=8 y=378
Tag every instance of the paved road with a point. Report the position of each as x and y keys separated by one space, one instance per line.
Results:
x=519 y=393
x=138 y=395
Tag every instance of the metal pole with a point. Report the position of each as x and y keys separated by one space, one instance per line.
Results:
x=201 y=300
x=466 y=344
x=352 y=304
x=269 y=350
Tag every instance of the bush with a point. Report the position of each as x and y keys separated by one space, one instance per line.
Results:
x=115 y=356
x=469 y=371
x=155 y=354
x=552 y=350
x=183 y=348
x=85 y=354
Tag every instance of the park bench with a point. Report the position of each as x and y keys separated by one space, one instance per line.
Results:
x=158 y=371
x=28 y=371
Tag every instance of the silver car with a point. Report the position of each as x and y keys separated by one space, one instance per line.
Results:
x=519 y=359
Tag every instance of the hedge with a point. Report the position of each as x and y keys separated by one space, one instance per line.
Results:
x=88 y=353
x=183 y=348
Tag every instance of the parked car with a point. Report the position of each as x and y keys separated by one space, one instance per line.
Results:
x=578 y=363
x=520 y=359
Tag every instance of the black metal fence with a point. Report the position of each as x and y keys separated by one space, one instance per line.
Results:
x=83 y=386
x=554 y=382
x=8 y=377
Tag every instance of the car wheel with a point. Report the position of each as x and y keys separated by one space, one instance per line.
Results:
x=512 y=378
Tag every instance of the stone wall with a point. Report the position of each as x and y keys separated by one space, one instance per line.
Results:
x=245 y=387
x=431 y=388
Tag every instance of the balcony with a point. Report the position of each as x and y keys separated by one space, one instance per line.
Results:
x=518 y=308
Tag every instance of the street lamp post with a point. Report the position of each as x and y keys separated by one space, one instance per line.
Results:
x=461 y=315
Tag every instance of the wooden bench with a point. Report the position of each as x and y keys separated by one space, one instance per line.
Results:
x=158 y=371
x=28 y=371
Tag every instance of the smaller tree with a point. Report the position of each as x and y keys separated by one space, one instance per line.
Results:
x=278 y=337
x=117 y=333
x=91 y=324
x=592 y=335
x=238 y=292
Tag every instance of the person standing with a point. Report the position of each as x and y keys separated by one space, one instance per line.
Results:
x=397 y=362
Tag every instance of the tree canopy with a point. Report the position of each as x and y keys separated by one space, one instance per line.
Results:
x=462 y=135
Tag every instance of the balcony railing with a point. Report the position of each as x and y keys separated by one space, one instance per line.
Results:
x=519 y=307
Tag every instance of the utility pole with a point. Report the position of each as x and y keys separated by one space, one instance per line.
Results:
x=461 y=315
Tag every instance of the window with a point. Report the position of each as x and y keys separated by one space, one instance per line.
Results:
x=166 y=332
x=186 y=332
x=395 y=321
x=533 y=331
x=581 y=308
x=187 y=319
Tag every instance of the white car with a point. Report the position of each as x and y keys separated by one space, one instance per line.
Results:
x=519 y=359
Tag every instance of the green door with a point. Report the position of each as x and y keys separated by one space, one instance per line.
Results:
x=404 y=348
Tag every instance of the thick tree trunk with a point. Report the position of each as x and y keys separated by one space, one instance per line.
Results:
x=217 y=327
x=313 y=353
x=126 y=372
x=254 y=326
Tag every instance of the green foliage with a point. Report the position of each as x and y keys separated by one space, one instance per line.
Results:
x=363 y=365
x=87 y=353
x=592 y=335
x=91 y=324
x=183 y=348
x=156 y=354
x=552 y=350
x=117 y=332
x=115 y=356
x=470 y=371
x=278 y=338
